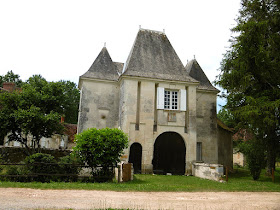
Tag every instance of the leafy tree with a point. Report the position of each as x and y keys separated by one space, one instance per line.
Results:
x=100 y=147
x=250 y=73
x=11 y=77
x=35 y=110
x=62 y=97
x=226 y=117
x=71 y=95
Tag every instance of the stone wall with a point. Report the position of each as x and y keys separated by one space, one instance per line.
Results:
x=153 y=121
x=99 y=105
x=207 y=125
x=225 y=148
x=208 y=171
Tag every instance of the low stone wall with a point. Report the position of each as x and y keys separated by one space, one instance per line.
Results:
x=208 y=171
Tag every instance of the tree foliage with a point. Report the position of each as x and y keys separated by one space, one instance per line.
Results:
x=250 y=72
x=28 y=112
x=226 y=117
x=71 y=99
x=100 y=147
x=254 y=151
x=11 y=77
x=36 y=109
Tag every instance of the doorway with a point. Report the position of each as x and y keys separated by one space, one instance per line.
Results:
x=169 y=154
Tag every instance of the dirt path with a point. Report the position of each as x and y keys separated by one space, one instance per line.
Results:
x=15 y=198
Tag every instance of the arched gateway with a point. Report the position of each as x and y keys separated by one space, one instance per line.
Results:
x=169 y=154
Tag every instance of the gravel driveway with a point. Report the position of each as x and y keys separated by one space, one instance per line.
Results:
x=22 y=198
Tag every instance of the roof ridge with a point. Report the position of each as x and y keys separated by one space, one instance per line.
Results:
x=154 y=31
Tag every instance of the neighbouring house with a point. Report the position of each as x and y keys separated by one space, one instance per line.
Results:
x=241 y=135
x=56 y=141
x=167 y=109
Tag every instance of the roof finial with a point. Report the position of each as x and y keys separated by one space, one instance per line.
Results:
x=193 y=56
x=104 y=44
x=164 y=31
x=139 y=27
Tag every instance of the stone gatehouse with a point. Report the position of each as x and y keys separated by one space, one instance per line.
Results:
x=167 y=109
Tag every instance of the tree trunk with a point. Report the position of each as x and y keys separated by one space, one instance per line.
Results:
x=271 y=153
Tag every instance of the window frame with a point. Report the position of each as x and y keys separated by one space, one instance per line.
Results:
x=173 y=99
x=199 y=151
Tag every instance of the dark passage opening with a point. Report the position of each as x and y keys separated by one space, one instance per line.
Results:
x=135 y=157
x=169 y=154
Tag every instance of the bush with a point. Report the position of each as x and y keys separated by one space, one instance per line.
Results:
x=40 y=163
x=69 y=165
x=101 y=147
x=17 y=173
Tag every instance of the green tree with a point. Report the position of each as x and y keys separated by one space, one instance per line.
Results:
x=34 y=110
x=226 y=117
x=37 y=109
x=100 y=147
x=250 y=73
x=11 y=77
x=71 y=95
x=62 y=97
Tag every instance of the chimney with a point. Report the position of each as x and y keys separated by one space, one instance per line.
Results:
x=9 y=86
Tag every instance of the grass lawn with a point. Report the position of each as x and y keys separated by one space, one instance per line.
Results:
x=238 y=181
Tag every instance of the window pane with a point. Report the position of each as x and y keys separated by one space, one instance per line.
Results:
x=166 y=99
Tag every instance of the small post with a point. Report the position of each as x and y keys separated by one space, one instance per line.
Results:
x=119 y=173
x=272 y=174
x=226 y=173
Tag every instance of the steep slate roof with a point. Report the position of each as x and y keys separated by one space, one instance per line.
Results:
x=153 y=56
x=103 y=67
x=195 y=71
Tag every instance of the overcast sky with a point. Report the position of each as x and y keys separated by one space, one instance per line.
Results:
x=60 y=39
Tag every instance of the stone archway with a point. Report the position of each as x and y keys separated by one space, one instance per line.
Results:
x=169 y=154
x=135 y=157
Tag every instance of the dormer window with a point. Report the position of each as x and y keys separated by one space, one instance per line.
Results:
x=171 y=100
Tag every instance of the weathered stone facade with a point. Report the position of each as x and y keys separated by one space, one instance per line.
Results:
x=161 y=105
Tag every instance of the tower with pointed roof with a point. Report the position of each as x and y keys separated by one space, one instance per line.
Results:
x=167 y=110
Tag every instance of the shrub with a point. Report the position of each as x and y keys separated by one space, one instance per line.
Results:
x=17 y=173
x=101 y=147
x=69 y=165
x=43 y=164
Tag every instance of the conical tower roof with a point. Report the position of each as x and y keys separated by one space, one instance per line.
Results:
x=195 y=71
x=103 y=67
x=152 y=56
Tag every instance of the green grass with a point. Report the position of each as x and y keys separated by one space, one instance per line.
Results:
x=238 y=181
